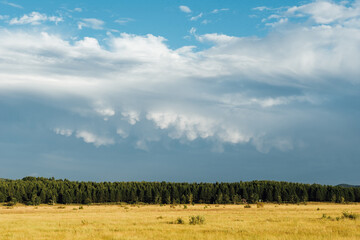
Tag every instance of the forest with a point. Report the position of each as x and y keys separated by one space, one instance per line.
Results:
x=38 y=190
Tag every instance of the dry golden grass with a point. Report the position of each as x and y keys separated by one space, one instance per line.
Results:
x=271 y=221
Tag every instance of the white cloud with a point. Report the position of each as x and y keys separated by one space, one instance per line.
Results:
x=261 y=8
x=63 y=132
x=274 y=16
x=34 y=18
x=278 y=23
x=216 y=38
x=2 y=17
x=325 y=12
x=89 y=137
x=195 y=18
x=93 y=23
x=219 y=10
x=123 y=21
x=78 y=9
x=185 y=9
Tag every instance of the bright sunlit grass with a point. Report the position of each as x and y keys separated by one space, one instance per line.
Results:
x=272 y=221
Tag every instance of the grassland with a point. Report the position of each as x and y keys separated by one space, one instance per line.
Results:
x=272 y=221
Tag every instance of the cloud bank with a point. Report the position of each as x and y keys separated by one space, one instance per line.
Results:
x=241 y=90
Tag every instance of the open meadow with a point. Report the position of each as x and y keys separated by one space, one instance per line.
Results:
x=270 y=221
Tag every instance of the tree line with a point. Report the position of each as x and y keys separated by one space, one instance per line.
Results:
x=34 y=191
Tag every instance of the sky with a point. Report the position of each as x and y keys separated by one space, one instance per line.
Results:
x=184 y=91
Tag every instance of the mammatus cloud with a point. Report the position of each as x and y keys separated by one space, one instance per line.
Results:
x=64 y=132
x=34 y=18
x=185 y=9
x=88 y=136
x=106 y=112
x=93 y=23
x=98 y=141
x=122 y=133
x=131 y=117
x=230 y=93
x=193 y=127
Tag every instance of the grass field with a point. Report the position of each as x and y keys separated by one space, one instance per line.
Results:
x=272 y=221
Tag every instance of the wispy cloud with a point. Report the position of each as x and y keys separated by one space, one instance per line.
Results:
x=3 y=17
x=205 y=21
x=93 y=23
x=220 y=10
x=34 y=18
x=12 y=4
x=262 y=8
x=124 y=21
x=78 y=9
x=195 y=18
x=277 y=23
x=185 y=9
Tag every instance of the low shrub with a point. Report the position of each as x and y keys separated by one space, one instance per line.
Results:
x=345 y=215
x=247 y=206
x=352 y=216
x=179 y=220
x=9 y=204
x=193 y=220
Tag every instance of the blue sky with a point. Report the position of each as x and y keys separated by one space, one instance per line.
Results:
x=180 y=90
